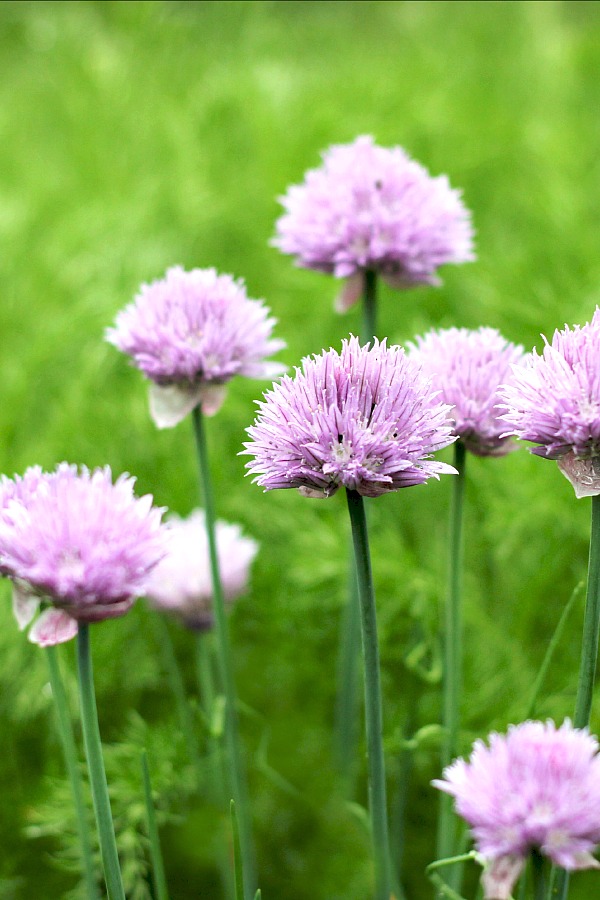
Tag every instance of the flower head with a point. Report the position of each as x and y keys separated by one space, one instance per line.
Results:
x=190 y=333
x=181 y=583
x=78 y=542
x=468 y=368
x=364 y=419
x=536 y=788
x=553 y=400
x=369 y=207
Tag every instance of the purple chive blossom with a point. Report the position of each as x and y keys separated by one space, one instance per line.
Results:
x=78 y=543
x=365 y=419
x=468 y=367
x=553 y=400
x=369 y=207
x=181 y=583
x=190 y=333
x=536 y=788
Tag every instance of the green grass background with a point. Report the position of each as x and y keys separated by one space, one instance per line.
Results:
x=138 y=135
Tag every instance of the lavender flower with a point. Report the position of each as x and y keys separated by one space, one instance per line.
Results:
x=369 y=207
x=469 y=367
x=181 y=583
x=537 y=788
x=554 y=401
x=78 y=542
x=365 y=419
x=190 y=333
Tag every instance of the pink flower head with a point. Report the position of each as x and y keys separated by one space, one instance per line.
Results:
x=369 y=207
x=468 y=367
x=536 y=788
x=364 y=419
x=190 y=333
x=553 y=400
x=78 y=542
x=181 y=583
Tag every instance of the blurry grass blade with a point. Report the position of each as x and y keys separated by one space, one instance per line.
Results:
x=158 y=869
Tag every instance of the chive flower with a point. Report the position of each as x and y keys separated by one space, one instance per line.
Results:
x=181 y=583
x=468 y=367
x=553 y=401
x=373 y=208
x=190 y=333
x=536 y=788
x=366 y=419
x=77 y=544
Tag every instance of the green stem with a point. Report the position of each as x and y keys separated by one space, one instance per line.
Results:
x=347 y=706
x=373 y=714
x=235 y=762
x=538 y=873
x=184 y=713
x=65 y=729
x=452 y=656
x=589 y=654
x=158 y=869
x=93 y=751
x=369 y=329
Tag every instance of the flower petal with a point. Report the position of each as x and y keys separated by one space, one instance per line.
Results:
x=584 y=474
x=350 y=293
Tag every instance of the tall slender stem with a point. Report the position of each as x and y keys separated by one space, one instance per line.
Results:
x=373 y=714
x=158 y=869
x=452 y=654
x=236 y=769
x=347 y=708
x=93 y=751
x=369 y=323
x=538 y=870
x=65 y=729
x=589 y=653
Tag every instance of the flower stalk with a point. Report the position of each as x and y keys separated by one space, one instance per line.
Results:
x=97 y=773
x=373 y=712
x=65 y=728
x=452 y=654
x=237 y=775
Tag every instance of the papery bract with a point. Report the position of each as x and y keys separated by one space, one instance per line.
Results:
x=365 y=419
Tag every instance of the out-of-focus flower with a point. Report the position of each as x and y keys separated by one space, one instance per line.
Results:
x=468 y=367
x=553 y=400
x=77 y=542
x=181 y=583
x=190 y=333
x=373 y=208
x=366 y=419
x=536 y=788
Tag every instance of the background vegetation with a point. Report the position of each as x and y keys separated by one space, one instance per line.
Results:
x=137 y=135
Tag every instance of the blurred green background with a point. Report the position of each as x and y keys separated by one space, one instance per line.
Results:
x=138 y=135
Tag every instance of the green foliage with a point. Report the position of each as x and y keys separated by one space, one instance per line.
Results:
x=137 y=135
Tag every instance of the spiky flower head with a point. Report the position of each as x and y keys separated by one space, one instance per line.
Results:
x=181 y=583
x=365 y=419
x=78 y=543
x=553 y=400
x=535 y=788
x=370 y=207
x=468 y=367
x=190 y=333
